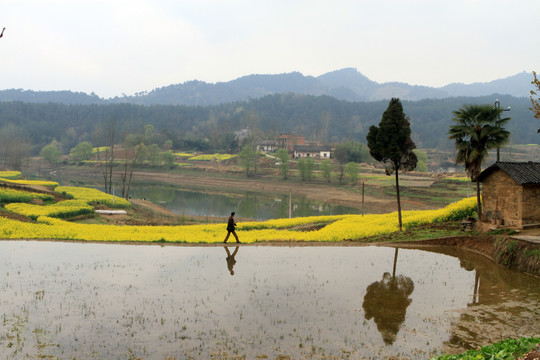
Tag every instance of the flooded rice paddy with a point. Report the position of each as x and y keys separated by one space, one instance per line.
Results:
x=100 y=301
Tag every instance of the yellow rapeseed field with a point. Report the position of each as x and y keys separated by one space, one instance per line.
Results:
x=30 y=182
x=337 y=228
x=62 y=209
x=9 y=174
x=12 y=195
x=209 y=157
x=93 y=196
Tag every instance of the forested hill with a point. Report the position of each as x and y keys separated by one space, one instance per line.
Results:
x=321 y=118
x=345 y=84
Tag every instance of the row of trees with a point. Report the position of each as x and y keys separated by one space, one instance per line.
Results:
x=211 y=128
x=146 y=147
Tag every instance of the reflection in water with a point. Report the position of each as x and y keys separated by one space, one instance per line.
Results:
x=230 y=258
x=491 y=304
x=97 y=301
x=386 y=301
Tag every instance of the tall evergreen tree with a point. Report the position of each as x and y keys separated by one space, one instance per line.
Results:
x=391 y=144
x=478 y=129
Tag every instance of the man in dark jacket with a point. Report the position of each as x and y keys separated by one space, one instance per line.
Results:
x=231 y=225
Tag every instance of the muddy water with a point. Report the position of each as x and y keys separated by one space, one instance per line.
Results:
x=93 y=301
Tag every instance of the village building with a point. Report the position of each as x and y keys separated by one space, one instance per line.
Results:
x=297 y=146
x=267 y=146
x=288 y=142
x=511 y=194
x=313 y=151
x=242 y=134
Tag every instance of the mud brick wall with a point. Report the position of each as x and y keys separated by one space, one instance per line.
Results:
x=503 y=198
x=531 y=204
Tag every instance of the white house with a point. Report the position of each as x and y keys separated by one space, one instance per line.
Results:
x=267 y=146
x=313 y=151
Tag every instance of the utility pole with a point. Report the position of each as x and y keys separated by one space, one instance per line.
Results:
x=362 y=198
x=498 y=106
x=290 y=204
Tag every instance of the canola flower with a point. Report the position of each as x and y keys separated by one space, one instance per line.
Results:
x=63 y=209
x=93 y=196
x=456 y=178
x=100 y=149
x=30 y=182
x=15 y=196
x=183 y=155
x=209 y=157
x=8 y=174
x=337 y=228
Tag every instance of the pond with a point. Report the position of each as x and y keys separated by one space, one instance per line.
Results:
x=257 y=206
x=102 y=301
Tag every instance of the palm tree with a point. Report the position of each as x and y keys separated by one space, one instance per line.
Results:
x=479 y=128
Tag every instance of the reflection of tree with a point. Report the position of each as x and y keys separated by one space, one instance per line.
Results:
x=386 y=301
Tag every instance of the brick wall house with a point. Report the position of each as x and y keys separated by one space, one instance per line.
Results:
x=511 y=194
x=288 y=142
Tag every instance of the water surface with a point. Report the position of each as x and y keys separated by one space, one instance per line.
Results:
x=258 y=206
x=96 y=301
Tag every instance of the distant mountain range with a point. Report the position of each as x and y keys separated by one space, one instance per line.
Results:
x=345 y=84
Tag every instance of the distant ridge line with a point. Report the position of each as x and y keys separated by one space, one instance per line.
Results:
x=345 y=84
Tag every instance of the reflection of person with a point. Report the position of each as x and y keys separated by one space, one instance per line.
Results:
x=230 y=259
x=231 y=225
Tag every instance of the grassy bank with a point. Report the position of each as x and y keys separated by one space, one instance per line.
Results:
x=517 y=255
x=508 y=349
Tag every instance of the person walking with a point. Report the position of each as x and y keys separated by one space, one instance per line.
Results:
x=231 y=226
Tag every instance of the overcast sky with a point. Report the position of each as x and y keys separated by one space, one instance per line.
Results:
x=112 y=47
